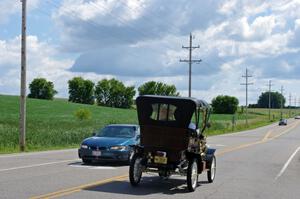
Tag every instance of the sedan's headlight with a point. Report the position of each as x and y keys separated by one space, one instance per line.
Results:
x=119 y=148
x=84 y=146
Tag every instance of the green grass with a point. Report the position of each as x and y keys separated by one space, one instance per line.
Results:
x=53 y=124
x=257 y=117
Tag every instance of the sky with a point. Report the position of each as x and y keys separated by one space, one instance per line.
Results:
x=136 y=41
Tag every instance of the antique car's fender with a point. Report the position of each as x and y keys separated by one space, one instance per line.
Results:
x=209 y=156
x=136 y=149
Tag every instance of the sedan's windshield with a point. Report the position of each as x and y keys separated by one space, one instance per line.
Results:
x=117 y=131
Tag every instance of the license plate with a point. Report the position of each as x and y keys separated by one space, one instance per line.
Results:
x=96 y=153
x=160 y=160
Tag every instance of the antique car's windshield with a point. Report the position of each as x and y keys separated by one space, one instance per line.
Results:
x=117 y=131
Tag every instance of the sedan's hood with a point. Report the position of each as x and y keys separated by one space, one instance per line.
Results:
x=107 y=141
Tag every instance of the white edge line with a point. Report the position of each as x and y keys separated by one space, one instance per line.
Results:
x=37 y=165
x=104 y=168
x=92 y=167
x=36 y=153
x=287 y=163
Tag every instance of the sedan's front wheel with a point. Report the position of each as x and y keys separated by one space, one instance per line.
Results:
x=86 y=161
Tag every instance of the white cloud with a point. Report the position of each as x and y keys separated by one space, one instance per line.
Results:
x=140 y=40
x=88 y=10
x=227 y=7
x=10 y=7
x=42 y=61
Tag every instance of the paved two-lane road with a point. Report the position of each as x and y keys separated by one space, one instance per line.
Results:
x=260 y=163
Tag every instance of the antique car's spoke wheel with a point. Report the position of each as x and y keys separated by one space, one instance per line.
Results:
x=211 y=173
x=192 y=175
x=135 y=170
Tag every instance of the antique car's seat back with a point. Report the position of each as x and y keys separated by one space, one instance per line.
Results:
x=169 y=139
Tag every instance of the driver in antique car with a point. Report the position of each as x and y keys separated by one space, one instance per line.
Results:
x=193 y=128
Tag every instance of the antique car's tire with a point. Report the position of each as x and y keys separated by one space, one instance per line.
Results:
x=86 y=161
x=192 y=175
x=135 y=170
x=211 y=173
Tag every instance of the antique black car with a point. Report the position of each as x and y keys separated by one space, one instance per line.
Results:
x=172 y=139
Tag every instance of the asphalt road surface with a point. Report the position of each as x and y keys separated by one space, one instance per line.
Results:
x=260 y=163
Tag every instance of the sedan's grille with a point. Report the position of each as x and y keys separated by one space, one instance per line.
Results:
x=97 y=148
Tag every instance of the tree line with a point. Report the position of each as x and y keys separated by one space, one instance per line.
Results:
x=106 y=92
x=113 y=93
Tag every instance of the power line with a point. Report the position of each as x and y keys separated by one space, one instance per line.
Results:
x=22 y=136
x=91 y=23
x=124 y=22
x=120 y=19
x=190 y=61
x=149 y=19
x=246 y=76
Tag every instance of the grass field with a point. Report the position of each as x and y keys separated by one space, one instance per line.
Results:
x=53 y=125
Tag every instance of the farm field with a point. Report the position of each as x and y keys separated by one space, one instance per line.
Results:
x=53 y=124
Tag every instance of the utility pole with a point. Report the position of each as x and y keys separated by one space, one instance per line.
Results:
x=281 y=101
x=246 y=76
x=298 y=103
x=190 y=61
x=270 y=89
x=290 y=103
x=22 y=137
x=295 y=104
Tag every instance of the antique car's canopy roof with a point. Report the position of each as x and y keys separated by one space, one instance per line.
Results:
x=185 y=108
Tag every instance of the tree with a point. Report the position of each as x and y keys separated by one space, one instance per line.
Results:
x=81 y=91
x=157 y=88
x=40 y=88
x=225 y=104
x=276 y=97
x=114 y=93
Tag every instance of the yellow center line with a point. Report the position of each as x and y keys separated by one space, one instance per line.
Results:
x=263 y=140
x=63 y=194
x=72 y=190
x=237 y=148
x=267 y=135
x=79 y=188
x=285 y=131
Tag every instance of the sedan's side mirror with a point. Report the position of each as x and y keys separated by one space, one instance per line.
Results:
x=94 y=134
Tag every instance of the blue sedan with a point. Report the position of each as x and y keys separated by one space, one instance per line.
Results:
x=112 y=143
